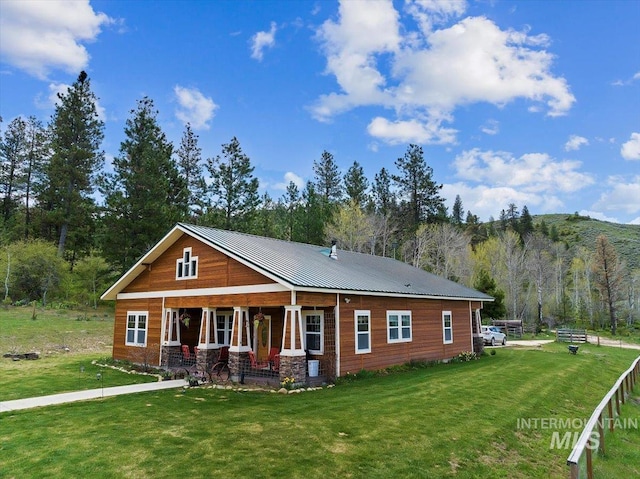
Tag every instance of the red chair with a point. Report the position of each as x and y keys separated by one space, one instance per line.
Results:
x=274 y=359
x=275 y=363
x=186 y=354
x=257 y=364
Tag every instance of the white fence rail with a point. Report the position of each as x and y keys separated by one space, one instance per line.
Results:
x=580 y=459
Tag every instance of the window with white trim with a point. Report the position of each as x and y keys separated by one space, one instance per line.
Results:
x=363 y=331
x=447 y=327
x=187 y=266
x=137 y=328
x=224 y=321
x=398 y=326
x=313 y=322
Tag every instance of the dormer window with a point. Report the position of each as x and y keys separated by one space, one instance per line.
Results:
x=187 y=266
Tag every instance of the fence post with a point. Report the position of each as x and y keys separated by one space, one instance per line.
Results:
x=575 y=471
x=601 y=434
x=589 y=461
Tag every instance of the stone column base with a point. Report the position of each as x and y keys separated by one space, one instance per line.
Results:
x=293 y=367
x=170 y=355
x=237 y=362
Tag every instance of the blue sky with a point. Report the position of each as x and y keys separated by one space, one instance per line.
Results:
x=535 y=103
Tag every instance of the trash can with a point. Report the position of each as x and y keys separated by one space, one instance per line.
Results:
x=314 y=365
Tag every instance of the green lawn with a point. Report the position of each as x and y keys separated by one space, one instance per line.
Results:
x=67 y=341
x=454 y=420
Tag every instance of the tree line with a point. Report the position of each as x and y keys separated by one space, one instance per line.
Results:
x=69 y=228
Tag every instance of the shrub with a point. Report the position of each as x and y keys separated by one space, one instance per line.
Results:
x=466 y=356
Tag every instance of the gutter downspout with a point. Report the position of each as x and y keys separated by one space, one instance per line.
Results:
x=337 y=315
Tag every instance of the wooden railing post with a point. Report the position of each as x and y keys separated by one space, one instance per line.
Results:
x=589 y=461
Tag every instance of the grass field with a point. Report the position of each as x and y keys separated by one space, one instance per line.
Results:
x=453 y=420
x=67 y=341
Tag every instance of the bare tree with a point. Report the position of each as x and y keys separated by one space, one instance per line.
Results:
x=538 y=265
x=608 y=276
x=513 y=255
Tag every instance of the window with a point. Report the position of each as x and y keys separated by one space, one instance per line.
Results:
x=187 y=266
x=223 y=328
x=314 y=331
x=136 y=328
x=398 y=326
x=363 y=331
x=447 y=327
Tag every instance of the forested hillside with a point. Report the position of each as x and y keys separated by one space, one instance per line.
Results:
x=576 y=230
x=69 y=228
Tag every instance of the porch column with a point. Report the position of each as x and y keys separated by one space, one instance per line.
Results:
x=293 y=358
x=239 y=347
x=208 y=349
x=170 y=351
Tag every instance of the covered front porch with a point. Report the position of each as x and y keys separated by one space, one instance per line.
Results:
x=249 y=344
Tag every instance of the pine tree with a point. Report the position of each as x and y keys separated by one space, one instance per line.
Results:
x=234 y=188
x=420 y=193
x=356 y=184
x=145 y=195
x=525 y=225
x=383 y=198
x=76 y=135
x=13 y=147
x=486 y=284
x=36 y=161
x=458 y=211
x=291 y=201
x=189 y=156
x=327 y=176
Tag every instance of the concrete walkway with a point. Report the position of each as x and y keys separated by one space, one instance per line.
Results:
x=18 y=404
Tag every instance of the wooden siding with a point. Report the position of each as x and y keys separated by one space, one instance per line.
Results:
x=427 y=333
x=305 y=298
x=215 y=270
x=154 y=326
x=230 y=300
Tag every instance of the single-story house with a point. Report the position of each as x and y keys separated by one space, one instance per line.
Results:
x=200 y=291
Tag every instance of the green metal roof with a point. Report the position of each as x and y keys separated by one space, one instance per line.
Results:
x=309 y=267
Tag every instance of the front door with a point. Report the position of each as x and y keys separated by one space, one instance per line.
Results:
x=262 y=338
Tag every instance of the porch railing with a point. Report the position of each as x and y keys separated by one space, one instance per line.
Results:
x=580 y=460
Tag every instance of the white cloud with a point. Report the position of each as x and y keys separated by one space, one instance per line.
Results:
x=38 y=36
x=598 y=215
x=575 y=142
x=194 y=107
x=491 y=127
x=486 y=201
x=532 y=172
x=262 y=40
x=377 y=60
x=288 y=178
x=635 y=221
x=410 y=131
x=623 y=195
x=631 y=149
x=430 y=12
